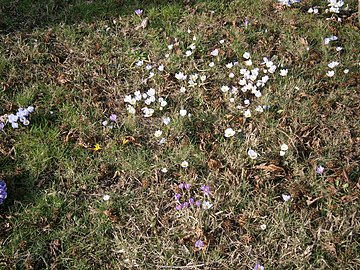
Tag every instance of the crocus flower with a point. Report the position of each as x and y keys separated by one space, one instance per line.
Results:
x=199 y=244
x=320 y=169
x=138 y=12
x=252 y=154
x=206 y=205
x=184 y=164
x=113 y=117
x=258 y=266
x=198 y=203
x=3 y=191
x=205 y=189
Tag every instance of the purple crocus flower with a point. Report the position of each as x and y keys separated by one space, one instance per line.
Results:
x=178 y=207
x=246 y=23
x=258 y=266
x=177 y=196
x=2 y=125
x=138 y=12
x=185 y=205
x=198 y=203
x=199 y=244
x=320 y=169
x=187 y=186
x=181 y=186
x=113 y=117
x=3 y=191
x=191 y=201
x=205 y=189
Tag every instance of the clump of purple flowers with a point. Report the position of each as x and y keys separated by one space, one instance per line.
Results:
x=184 y=200
x=3 y=191
x=20 y=116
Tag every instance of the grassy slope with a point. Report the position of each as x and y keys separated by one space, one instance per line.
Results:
x=75 y=63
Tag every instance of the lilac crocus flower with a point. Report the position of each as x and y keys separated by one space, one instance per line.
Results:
x=199 y=244
x=2 y=125
x=185 y=205
x=246 y=23
x=191 y=201
x=198 y=203
x=320 y=169
x=3 y=191
x=138 y=12
x=205 y=189
x=187 y=186
x=258 y=266
x=113 y=117
x=177 y=196
x=178 y=207
x=181 y=186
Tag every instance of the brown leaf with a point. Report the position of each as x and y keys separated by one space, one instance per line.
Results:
x=62 y=79
x=270 y=168
x=214 y=164
x=113 y=218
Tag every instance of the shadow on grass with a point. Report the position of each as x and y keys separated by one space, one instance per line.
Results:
x=25 y=15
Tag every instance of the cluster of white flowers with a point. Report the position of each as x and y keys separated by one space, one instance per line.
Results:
x=332 y=65
x=193 y=80
x=283 y=148
x=251 y=80
x=288 y=2
x=335 y=5
x=21 y=116
x=328 y=39
x=147 y=98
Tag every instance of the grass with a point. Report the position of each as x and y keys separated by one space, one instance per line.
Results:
x=75 y=62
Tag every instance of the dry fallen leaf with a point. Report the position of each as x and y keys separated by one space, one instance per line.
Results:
x=214 y=164
x=270 y=168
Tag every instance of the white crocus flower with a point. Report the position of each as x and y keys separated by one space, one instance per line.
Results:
x=224 y=88
x=183 y=112
x=206 y=205
x=285 y=197
x=158 y=133
x=333 y=64
x=131 y=109
x=284 y=147
x=180 y=76
x=215 y=52
x=229 y=132
x=166 y=120
x=252 y=154
x=246 y=55
x=247 y=113
x=330 y=73
x=283 y=72
x=184 y=164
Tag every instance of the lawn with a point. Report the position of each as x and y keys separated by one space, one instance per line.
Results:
x=195 y=134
